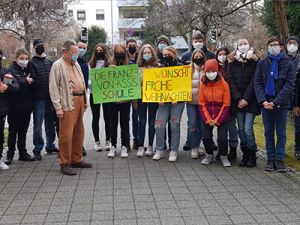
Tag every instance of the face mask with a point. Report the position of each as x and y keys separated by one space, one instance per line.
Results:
x=120 y=56
x=74 y=57
x=22 y=63
x=274 y=50
x=221 y=58
x=292 y=48
x=198 y=62
x=198 y=46
x=81 y=52
x=147 y=57
x=39 y=50
x=243 y=48
x=132 y=50
x=168 y=59
x=99 y=55
x=211 y=75
x=161 y=47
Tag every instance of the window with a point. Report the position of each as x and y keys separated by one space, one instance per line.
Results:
x=132 y=14
x=71 y=13
x=81 y=14
x=99 y=14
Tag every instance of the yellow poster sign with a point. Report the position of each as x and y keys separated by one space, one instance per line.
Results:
x=167 y=84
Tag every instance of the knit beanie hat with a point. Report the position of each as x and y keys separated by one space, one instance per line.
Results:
x=211 y=65
x=293 y=38
x=163 y=38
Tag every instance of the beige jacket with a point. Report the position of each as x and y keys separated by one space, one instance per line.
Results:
x=60 y=86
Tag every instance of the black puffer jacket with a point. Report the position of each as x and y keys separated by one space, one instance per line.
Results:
x=240 y=79
x=5 y=100
x=21 y=101
x=39 y=69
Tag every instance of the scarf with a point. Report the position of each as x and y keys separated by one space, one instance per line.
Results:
x=270 y=88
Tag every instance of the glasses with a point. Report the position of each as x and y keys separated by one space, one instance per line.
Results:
x=273 y=45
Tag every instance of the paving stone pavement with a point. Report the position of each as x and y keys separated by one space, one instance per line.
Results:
x=142 y=191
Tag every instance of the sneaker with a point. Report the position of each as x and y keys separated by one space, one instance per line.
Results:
x=208 y=159
x=194 y=153
x=3 y=166
x=149 y=151
x=68 y=170
x=124 y=152
x=225 y=161
x=173 y=156
x=112 y=152
x=51 y=151
x=26 y=158
x=158 y=155
x=140 y=152
x=280 y=166
x=97 y=146
x=201 y=151
x=187 y=146
x=297 y=155
x=271 y=166
x=107 y=145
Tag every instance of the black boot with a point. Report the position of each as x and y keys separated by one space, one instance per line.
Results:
x=252 y=159
x=245 y=158
x=232 y=154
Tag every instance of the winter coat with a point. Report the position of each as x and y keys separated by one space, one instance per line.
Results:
x=284 y=85
x=21 y=101
x=187 y=56
x=196 y=78
x=5 y=98
x=85 y=70
x=39 y=69
x=297 y=88
x=240 y=76
x=214 y=101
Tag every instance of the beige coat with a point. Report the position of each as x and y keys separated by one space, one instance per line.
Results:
x=60 y=86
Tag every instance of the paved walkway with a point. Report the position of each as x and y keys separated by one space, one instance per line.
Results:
x=142 y=191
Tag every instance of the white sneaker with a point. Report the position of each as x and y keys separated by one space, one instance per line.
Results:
x=149 y=151
x=158 y=155
x=201 y=151
x=3 y=166
x=194 y=153
x=97 y=146
x=173 y=156
x=225 y=161
x=208 y=159
x=124 y=153
x=140 y=152
x=107 y=145
x=112 y=153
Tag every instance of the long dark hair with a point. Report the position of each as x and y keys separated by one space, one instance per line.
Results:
x=93 y=60
x=114 y=60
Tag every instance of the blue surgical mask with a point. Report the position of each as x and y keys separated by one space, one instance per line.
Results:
x=74 y=57
x=147 y=57
x=81 y=52
x=161 y=47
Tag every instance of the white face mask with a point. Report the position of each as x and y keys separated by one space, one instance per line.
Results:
x=198 y=45
x=221 y=58
x=243 y=48
x=22 y=63
x=274 y=50
x=292 y=48
x=211 y=75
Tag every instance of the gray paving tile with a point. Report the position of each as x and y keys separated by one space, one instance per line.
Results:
x=11 y=219
x=242 y=219
x=172 y=220
x=265 y=218
x=152 y=221
x=34 y=218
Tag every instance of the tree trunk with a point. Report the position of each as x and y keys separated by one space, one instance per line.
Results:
x=281 y=19
x=26 y=37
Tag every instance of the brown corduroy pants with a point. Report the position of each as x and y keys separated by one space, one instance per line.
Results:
x=71 y=134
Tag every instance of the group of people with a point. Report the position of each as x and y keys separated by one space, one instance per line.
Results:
x=228 y=90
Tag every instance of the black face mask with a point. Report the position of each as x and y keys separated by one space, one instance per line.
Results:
x=168 y=60
x=99 y=55
x=198 y=62
x=132 y=50
x=120 y=56
x=39 y=50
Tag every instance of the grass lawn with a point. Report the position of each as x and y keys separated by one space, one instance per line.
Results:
x=260 y=139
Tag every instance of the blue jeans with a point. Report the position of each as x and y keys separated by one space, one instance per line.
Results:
x=135 y=123
x=164 y=112
x=246 y=133
x=275 y=119
x=233 y=132
x=194 y=125
x=297 y=133
x=142 y=111
x=43 y=110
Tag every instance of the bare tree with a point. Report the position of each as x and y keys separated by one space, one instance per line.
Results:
x=30 y=19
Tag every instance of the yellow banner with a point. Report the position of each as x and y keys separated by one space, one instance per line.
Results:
x=167 y=84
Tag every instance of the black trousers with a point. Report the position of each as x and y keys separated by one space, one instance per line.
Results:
x=96 y=109
x=2 y=123
x=124 y=110
x=18 y=127
x=222 y=139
